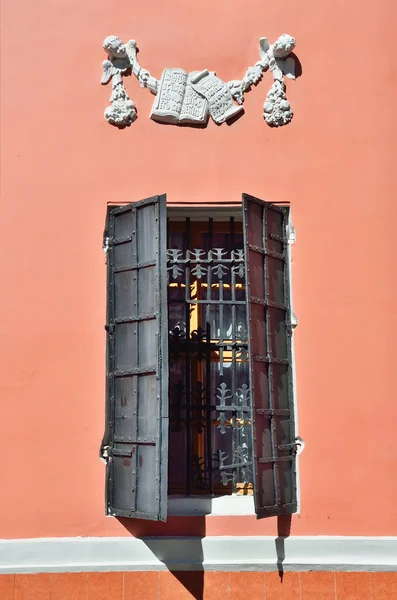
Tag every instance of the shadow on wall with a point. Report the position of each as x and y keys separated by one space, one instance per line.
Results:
x=192 y=527
x=283 y=531
x=193 y=579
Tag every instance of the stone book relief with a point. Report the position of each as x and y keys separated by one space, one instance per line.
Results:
x=191 y=98
x=177 y=101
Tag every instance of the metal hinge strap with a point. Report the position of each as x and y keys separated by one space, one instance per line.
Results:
x=271 y=359
x=120 y=452
x=278 y=238
x=132 y=319
x=292 y=446
x=270 y=303
x=266 y=251
x=134 y=267
x=273 y=412
x=276 y=459
x=119 y=241
x=137 y=371
x=126 y=439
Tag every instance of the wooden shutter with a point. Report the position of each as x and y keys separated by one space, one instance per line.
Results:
x=137 y=357
x=269 y=326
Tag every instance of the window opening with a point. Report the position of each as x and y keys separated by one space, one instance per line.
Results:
x=209 y=397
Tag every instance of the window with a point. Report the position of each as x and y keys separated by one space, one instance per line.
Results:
x=199 y=369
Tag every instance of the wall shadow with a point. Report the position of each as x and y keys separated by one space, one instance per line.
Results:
x=298 y=66
x=189 y=557
x=283 y=531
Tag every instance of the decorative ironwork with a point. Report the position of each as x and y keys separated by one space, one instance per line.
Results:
x=218 y=260
x=241 y=462
x=222 y=407
x=208 y=347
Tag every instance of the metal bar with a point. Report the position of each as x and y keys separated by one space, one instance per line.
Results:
x=134 y=267
x=135 y=386
x=208 y=407
x=265 y=302
x=137 y=371
x=271 y=360
x=277 y=510
x=269 y=412
x=128 y=439
x=286 y=283
x=128 y=208
x=236 y=437
x=135 y=308
x=132 y=319
x=204 y=261
x=213 y=302
x=266 y=251
x=136 y=514
x=163 y=358
x=292 y=446
x=276 y=207
x=120 y=452
x=208 y=353
x=119 y=241
x=269 y=364
x=110 y=368
x=220 y=318
x=235 y=465
x=227 y=344
x=279 y=238
x=188 y=366
x=209 y=272
x=117 y=210
x=276 y=459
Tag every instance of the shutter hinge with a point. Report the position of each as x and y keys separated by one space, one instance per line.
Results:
x=292 y=446
x=298 y=445
x=109 y=327
x=104 y=452
x=105 y=245
x=293 y=322
x=291 y=234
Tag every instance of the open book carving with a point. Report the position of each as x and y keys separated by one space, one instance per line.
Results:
x=190 y=98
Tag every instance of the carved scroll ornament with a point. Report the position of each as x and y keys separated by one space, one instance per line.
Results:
x=189 y=98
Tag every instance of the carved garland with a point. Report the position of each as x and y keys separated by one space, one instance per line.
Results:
x=188 y=98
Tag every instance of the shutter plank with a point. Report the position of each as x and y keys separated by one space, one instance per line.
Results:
x=268 y=308
x=137 y=361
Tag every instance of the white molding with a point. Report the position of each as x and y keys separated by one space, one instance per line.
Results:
x=232 y=505
x=229 y=553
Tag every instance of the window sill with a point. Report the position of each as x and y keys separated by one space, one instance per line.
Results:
x=181 y=506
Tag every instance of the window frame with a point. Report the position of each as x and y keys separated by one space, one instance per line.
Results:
x=231 y=504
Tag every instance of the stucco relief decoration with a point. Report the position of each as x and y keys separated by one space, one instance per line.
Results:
x=190 y=98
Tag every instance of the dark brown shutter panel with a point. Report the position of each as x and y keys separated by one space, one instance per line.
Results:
x=269 y=324
x=137 y=356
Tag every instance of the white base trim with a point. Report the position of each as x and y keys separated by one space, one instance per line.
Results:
x=183 y=506
x=193 y=553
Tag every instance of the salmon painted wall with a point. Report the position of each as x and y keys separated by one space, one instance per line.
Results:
x=62 y=163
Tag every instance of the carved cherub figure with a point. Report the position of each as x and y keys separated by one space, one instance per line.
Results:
x=275 y=57
x=278 y=57
x=121 y=111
